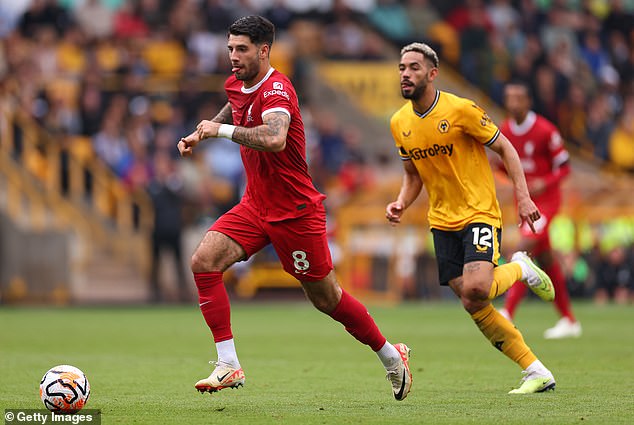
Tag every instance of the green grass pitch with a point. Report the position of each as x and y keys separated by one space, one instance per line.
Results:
x=303 y=368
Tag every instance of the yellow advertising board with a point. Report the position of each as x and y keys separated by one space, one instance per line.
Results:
x=373 y=86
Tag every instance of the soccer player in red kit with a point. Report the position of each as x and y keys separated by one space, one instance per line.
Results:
x=280 y=206
x=545 y=163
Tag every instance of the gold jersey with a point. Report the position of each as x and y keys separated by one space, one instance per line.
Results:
x=446 y=143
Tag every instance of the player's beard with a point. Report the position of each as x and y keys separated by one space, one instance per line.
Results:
x=248 y=72
x=416 y=93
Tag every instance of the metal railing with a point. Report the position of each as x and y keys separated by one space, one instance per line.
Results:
x=56 y=182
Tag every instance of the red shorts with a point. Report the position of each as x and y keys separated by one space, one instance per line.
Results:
x=300 y=243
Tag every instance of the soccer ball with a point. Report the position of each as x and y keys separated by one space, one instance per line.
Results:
x=65 y=389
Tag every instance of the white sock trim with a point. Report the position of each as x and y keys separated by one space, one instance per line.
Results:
x=525 y=269
x=227 y=353
x=389 y=356
x=538 y=368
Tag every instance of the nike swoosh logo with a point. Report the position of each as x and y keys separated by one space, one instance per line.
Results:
x=399 y=395
x=202 y=304
x=220 y=378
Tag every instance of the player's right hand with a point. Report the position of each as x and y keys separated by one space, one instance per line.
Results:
x=393 y=212
x=186 y=145
x=528 y=212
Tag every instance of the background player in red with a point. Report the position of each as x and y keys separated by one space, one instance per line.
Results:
x=280 y=206
x=545 y=163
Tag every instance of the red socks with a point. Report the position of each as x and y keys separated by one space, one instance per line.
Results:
x=562 y=299
x=357 y=321
x=214 y=304
x=514 y=296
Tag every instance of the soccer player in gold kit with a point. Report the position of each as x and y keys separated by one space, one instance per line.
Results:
x=441 y=139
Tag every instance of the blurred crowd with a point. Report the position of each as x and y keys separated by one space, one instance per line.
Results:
x=598 y=258
x=578 y=56
x=130 y=77
x=133 y=76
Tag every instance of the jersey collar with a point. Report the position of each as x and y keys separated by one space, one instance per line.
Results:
x=424 y=114
x=521 y=129
x=257 y=86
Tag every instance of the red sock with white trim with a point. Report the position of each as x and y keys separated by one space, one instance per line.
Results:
x=215 y=307
x=214 y=304
x=358 y=322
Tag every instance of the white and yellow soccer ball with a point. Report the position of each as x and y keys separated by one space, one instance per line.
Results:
x=64 y=389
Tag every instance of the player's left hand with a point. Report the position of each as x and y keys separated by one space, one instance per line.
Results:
x=528 y=213
x=207 y=128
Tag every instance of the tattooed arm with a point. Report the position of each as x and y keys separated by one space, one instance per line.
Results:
x=224 y=116
x=268 y=137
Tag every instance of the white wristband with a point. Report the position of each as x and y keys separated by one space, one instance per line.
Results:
x=226 y=131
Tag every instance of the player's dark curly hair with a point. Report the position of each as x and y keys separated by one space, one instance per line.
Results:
x=259 y=29
x=521 y=83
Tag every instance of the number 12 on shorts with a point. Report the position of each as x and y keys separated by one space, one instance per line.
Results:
x=300 y=262
x=482 y=237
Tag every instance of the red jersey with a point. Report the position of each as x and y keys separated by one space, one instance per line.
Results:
x=542 y=153
x=278 y=184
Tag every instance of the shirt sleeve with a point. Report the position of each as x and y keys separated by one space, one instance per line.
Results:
x=558 y=152
x=402 y=152
x=277 y=97
x=477 y=124
x=560 y=165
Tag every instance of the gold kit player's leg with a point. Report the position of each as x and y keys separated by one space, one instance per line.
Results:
x=504 y=277
x=504 y=335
